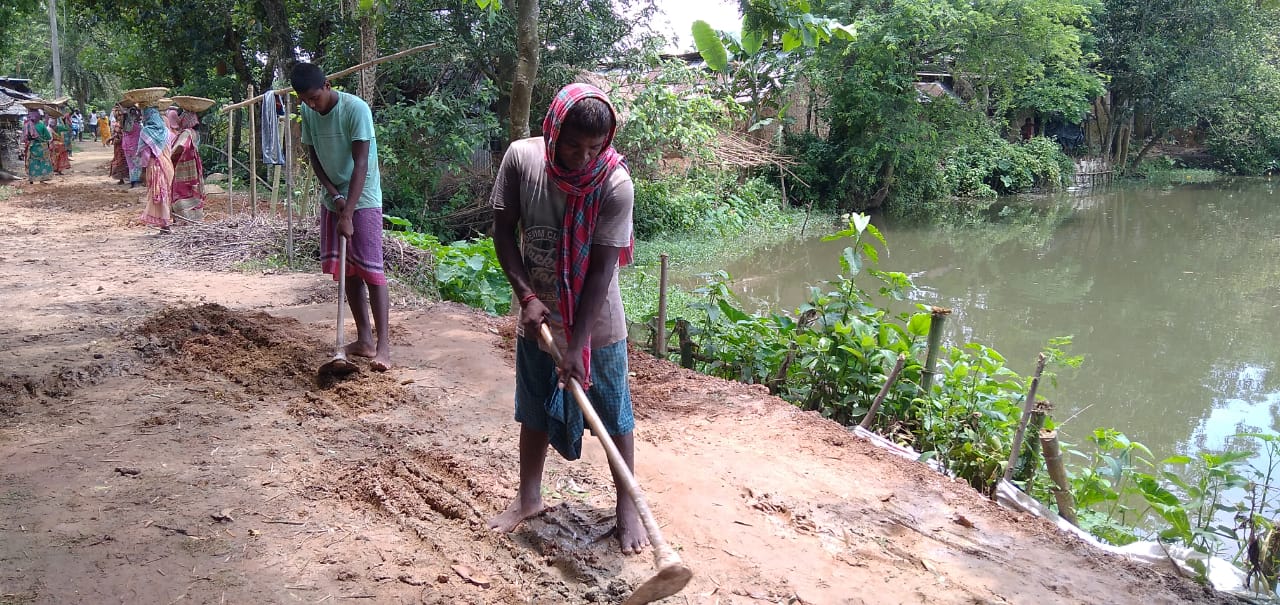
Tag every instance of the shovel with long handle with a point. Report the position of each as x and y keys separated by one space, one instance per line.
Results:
x=672 y=574
x=340 y=365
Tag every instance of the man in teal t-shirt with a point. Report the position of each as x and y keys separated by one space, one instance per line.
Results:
x=337 y=129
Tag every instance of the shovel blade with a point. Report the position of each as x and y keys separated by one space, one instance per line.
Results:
x=338 y=366
x=668 y=581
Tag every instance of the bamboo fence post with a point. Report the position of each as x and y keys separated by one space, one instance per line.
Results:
x=1062 y=489
x=288 y=171
x=660 y=334
x=231 y=165
x=275 y=188
x=253 y=161
x=884 y=391
x=1027 y=406
x=1027 y=464
x=938 y=317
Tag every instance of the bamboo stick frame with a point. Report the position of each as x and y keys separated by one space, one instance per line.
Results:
x=348 y=71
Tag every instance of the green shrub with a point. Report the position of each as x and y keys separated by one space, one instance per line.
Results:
x=466 y=271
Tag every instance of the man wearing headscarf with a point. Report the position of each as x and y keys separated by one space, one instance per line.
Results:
x=562 y=226
x=35 y=139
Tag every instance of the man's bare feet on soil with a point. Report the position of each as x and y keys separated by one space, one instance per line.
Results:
x=361 y=348
x=380 y=356
x=632 y=537
x=381 y=361
x=508 y=520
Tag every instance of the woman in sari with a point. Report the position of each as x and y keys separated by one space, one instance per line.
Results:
x=36 y=137
x=188 y=170
x=104 y=125
x=119 y=166
x=131 y=129
x=58 y=146
x=154 y=151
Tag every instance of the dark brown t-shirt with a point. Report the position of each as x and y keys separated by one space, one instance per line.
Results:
x=522 y=181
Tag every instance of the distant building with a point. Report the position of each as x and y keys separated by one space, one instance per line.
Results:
x=12 y=92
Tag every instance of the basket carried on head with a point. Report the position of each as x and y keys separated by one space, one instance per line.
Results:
x=163 y=103
x=34 y=104
x=52 y=111
x=193 y=104
x=145 y=96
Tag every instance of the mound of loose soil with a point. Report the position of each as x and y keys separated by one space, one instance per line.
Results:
x=267 y=355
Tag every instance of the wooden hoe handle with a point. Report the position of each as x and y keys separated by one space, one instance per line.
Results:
x=672 y=574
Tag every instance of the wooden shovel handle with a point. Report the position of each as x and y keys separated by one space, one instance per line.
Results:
x=664 y=557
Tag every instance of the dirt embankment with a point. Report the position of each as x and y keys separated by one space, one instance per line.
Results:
x=163 y=440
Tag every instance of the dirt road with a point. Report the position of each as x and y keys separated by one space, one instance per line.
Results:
x=162 y=441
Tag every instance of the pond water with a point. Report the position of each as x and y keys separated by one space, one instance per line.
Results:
x=1170 y=295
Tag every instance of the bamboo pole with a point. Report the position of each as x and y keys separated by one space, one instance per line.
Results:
x=1058 y=473
x=253 y=162
x=288 y=171
x=660 y=334
x=884 y=391
x=938 y=317
x=1028 y=464
x=231 y=166
x=275 y=187
x=334 y=76
x=1027 y=406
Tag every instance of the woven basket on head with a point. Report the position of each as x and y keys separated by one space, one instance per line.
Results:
x=33 y=104
x=195 y=104
x=52 y=111
x=145 y=96
x=163 y=103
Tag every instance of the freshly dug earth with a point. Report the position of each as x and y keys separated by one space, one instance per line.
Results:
x=164 y=440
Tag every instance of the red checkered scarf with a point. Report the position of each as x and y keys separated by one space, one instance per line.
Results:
x=582 y=189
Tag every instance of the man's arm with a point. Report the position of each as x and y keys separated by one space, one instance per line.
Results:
x=347 y=210
x=506 y=225
x=319 y=171
x=595 y=290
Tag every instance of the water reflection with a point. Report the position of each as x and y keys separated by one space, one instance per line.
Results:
x=1170 y=295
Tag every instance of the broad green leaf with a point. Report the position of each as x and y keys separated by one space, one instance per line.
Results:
x=752 y=39
x=710 y=46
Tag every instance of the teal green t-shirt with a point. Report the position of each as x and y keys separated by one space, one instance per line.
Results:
x=331 y=135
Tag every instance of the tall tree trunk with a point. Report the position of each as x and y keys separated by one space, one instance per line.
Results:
x=280 y=47
x=1155 y=138
x=368 y=52
x=526 y=72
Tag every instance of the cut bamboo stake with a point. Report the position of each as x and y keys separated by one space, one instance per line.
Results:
x=288 y=169
x=938 y=317
x=275 y=188
x=1028 y=464
x=1062 y=489
x=1027 y=406
x=253 y=161
x=660 y=334
x=884 y=391
x=231 y=166
x=334 y=76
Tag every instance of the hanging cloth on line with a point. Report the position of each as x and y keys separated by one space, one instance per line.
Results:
x=272 y=149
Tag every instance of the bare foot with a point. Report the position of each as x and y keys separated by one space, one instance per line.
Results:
x=630 y=532
x=361 y=349
x=381 y=361
x=508 y=520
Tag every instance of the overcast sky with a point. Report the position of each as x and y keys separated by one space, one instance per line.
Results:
x=679 y=16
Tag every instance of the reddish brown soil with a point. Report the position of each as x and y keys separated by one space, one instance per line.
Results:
x=163 y=440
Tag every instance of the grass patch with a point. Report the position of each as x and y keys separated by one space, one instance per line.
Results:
x=1172 y=177
x=6 y=192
